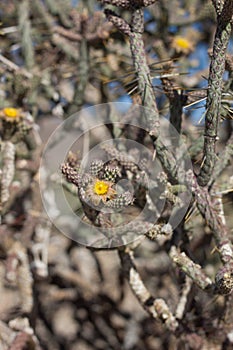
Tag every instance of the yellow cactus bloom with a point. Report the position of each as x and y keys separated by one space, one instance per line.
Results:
x=11 y=114
x=181 y=44
x=100 y=190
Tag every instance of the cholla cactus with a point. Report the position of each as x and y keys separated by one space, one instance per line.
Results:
x=97 y=188
x=17 y=126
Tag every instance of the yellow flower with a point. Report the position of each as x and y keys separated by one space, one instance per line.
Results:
x=181 y=44
x=11 y=114
x=101 y=187
x=100 y=190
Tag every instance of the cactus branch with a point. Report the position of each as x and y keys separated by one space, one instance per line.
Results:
x=157 y=308
x=213 y=104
